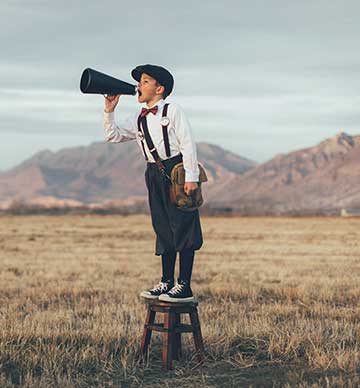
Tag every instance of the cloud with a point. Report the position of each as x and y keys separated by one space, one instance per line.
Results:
x=253 y=77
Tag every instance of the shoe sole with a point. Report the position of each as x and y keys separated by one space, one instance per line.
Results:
x=147 y=296
x=176 y=300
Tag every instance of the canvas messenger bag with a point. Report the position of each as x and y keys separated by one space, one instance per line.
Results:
x=177 y=194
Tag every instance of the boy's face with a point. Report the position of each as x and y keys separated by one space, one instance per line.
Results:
x=149 y=89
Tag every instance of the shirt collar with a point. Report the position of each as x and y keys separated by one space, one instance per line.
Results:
x=160 y=104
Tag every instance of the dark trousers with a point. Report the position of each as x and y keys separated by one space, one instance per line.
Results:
x=175 y=230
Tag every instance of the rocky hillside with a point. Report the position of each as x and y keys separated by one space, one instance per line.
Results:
x=321 y=177
x=325 y=176
x=103 y=172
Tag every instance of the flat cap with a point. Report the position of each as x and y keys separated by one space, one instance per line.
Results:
x=161 y=75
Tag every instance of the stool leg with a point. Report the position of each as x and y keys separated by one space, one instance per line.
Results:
x=168 y=339
x=199 y=345
x=177 y=338
x=150 y=318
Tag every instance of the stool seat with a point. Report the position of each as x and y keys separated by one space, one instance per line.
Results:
x=172 y=329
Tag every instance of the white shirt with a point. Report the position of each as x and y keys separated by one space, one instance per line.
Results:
x=179 y=133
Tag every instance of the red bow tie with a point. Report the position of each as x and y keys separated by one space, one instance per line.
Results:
x=145 y=111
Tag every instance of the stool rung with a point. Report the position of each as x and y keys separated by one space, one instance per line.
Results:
x=182 y=328
x=163 y=309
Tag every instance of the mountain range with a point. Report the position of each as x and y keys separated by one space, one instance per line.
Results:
x=325 y=177
x=101 y=173
x=322 y=178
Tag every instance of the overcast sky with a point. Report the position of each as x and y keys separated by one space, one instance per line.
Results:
x=255 y=77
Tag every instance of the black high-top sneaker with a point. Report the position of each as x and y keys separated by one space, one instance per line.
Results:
x=162 y=287
x=180 y=293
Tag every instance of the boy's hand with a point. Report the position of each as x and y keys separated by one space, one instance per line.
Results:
x=111 y=102
x=190 y=187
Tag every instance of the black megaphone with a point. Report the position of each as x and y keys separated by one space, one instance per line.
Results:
x=94 y=82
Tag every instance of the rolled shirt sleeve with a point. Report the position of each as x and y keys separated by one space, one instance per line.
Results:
x=187 y=146
x=117 y=134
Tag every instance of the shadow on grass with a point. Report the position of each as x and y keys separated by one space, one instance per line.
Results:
x=84 y=362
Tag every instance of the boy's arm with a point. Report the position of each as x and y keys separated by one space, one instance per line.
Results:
x=113 y=133
x=187 y=145
x=118 y=134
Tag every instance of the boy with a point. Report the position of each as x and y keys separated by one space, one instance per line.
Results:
x=170 y=132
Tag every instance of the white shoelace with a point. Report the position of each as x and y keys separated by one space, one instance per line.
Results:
x=176 y=289
x=160 y=287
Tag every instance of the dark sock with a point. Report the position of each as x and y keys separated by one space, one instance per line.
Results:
x=168 y=265
x=186 y=264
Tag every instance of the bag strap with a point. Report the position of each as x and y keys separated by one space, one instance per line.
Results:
x=153 y=150
x=148 y=139
x=165 y=132
x=141 y=137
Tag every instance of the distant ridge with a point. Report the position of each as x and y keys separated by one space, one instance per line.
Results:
x=102 y=172
x=325 y=176
x=321 y=179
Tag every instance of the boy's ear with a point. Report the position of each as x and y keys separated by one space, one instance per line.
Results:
x=160 y=89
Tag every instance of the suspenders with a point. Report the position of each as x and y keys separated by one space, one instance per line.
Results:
x=141 y=137
x=144 y=134
x=165 y=131
x=148 y=140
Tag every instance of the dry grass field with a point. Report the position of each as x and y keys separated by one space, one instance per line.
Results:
x=278 y=303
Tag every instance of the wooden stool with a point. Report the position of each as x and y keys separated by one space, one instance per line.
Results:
x=172 y=329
